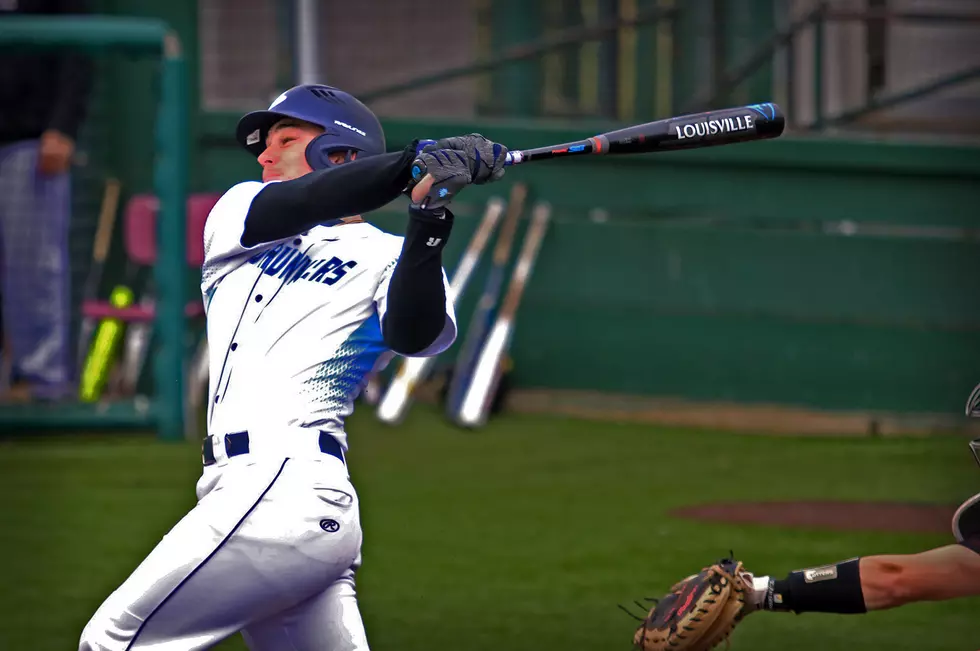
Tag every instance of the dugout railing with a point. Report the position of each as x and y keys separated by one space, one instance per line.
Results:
x=163 y=409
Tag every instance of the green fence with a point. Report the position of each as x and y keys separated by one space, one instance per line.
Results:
x=833 y=275
x=167 y=162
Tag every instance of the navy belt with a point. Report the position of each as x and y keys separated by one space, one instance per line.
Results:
x=236 y=443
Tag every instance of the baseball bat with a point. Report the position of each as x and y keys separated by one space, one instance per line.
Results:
x=692 y=131
x=132 y=331
x=136 y=348
x=104 y=350
x=100 y=251
x=475 y=407
x=394 y=404
x=487 y=305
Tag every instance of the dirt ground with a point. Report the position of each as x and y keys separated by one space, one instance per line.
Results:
x=762 y=418
x=838 y=516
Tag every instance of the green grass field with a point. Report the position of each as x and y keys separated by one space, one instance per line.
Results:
x=521 y=537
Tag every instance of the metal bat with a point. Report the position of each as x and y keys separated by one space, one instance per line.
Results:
x=475 y=405
x=693 y=131
x=486 y=307
x=100 y=251
x=104 y=349
x=136 y=348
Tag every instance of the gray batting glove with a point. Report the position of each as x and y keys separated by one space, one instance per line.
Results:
x=449 y=171
x=484 y=158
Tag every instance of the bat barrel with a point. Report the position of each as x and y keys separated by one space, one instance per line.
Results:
x=698 y=130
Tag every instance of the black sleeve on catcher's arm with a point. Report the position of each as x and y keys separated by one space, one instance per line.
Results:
x=291 y=207
x=829 y=589
x=416 y=302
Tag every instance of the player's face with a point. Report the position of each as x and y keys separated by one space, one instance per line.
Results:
x=284 y=157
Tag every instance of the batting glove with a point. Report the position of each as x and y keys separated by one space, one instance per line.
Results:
x=484 y=158
x=450 y=174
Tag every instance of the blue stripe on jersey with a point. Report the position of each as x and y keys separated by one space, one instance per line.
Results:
x=338 y=380
x=208 y=295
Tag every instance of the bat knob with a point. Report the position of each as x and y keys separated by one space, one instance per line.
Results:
x=418 y=167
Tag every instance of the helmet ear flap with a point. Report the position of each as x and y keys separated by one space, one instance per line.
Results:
x=317 y=153
x=319 y=150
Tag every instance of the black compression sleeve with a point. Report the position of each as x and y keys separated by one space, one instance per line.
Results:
x=291 y=207
x=830 y=589
x=416 y=310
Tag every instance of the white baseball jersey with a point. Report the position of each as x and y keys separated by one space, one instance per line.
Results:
x=294 y=326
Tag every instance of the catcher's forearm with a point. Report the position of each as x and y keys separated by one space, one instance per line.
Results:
x=948 y=572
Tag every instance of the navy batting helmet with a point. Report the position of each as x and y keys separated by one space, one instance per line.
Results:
x=348 y=125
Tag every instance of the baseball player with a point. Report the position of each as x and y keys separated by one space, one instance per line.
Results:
x=701 y=611
x=304 y=299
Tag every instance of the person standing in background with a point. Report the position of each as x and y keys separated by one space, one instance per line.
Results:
x=43 y=99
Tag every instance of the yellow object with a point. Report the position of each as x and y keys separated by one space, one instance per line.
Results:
x=106 y=342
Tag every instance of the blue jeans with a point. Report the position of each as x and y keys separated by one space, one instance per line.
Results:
x=35 y=210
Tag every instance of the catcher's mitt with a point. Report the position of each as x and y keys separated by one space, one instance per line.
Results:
x=699 y=612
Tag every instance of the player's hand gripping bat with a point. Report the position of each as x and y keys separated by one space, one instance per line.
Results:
x=694 y=131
